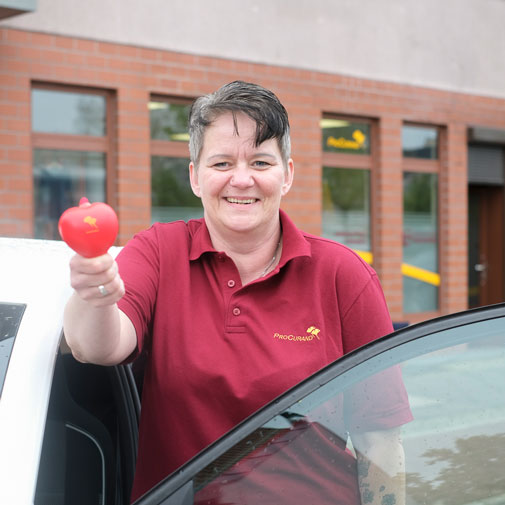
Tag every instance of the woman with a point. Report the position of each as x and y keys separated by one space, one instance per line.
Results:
x=232 y=309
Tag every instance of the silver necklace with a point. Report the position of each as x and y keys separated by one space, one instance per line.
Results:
x=272 y=261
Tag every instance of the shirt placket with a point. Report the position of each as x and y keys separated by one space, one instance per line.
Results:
x=231 y=287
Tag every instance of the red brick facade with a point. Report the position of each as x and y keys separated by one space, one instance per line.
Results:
x=133 y=74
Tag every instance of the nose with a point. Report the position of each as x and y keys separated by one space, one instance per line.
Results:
x=242 y=176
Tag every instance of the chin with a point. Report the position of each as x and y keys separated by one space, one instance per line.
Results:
x=242 y=224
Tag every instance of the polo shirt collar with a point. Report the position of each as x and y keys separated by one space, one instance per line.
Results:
x=200 y=239
x=294 y=243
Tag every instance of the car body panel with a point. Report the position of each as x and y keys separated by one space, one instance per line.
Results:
x=35 y=273
x=43 y=286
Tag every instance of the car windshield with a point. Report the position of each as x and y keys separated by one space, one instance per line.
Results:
x=10 y=319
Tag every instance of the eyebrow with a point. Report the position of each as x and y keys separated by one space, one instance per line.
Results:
x=261 y=154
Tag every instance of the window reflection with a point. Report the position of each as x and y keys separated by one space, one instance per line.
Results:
x=10 y=319
x=66 y=168
x=344 y=136
x=171 y=195
x=310 y=453
x=346 y=206
x=457 y=442
x=61 y=178
x=420 y=142
x=68 y=112
x=169 y=121
x=442 y=391
x=420 y=242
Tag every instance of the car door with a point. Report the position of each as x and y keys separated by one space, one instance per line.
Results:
x=90 y=437
x=448 y=374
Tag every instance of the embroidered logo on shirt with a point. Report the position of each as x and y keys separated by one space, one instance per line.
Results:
x=312 y=331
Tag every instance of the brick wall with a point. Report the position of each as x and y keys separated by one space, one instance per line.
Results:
x=133 y=73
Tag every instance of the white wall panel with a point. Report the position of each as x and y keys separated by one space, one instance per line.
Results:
x=452 y=44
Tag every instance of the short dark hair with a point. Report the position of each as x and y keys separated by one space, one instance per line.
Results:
x=259 y=103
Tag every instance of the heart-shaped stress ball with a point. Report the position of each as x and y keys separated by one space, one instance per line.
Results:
x=89 y=229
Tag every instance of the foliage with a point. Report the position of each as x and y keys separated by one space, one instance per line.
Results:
x=470 y=473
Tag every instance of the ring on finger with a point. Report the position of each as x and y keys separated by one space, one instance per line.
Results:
x=102 y=290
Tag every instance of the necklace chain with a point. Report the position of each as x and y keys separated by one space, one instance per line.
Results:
x=272 y=261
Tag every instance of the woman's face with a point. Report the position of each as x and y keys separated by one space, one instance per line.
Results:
x=240 y=185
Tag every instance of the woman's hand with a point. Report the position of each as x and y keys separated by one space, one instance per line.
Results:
x=96 y=280
x=94 y=327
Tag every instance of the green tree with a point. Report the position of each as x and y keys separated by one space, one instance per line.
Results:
x=470 y=473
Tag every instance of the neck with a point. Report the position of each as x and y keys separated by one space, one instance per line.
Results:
x=254 y=257
x=274 y=260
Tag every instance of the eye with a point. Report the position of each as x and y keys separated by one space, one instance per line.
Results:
x=221 y=165
x=261 y=164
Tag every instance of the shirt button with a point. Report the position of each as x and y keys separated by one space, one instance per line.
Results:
x=231 y=283
x=236 y=311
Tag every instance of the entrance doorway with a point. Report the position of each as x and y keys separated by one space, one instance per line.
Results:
x=486 y=252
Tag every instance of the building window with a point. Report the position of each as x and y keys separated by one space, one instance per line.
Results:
x=171 y=195
x=347 y=163
x=345 y=136
x=346 y=206
x=421 y=279
x=71 y=131
x=420 y=142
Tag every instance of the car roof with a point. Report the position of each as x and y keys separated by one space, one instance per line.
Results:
x=29 y=268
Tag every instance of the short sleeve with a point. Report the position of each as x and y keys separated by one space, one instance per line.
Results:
x=379 y=402
x=367 y=318
x=139 y=268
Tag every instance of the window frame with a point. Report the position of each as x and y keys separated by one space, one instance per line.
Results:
x=169 y=148
x=69 y=142
x=423 y=163
x=166 y=148
x=431 y=166
x=356 y=161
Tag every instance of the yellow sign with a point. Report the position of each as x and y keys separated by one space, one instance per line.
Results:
x=358 y=141
x=409 y=270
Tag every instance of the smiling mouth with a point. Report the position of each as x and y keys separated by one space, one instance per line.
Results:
x=242 y=201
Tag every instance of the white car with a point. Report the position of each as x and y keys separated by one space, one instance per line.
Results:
x=68 y=431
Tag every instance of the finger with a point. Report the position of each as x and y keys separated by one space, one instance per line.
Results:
x=103 y=294
x=85 y=273
x=96 y=265
x=113 y=288
x=103 y=277
x=83 y=283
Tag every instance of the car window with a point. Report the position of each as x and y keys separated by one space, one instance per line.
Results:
x=10 y=319
x=442 y=393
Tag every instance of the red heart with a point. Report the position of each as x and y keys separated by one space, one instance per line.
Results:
x=89 y=229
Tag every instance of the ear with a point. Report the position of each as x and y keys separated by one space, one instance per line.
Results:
x=193 y=179
x=288 y=177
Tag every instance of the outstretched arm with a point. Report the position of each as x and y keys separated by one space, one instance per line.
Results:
x=94 y=327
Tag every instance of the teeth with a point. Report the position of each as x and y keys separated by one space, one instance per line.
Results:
x=236 y=200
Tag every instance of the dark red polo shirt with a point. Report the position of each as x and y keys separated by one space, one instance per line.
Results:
x=218 y=350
